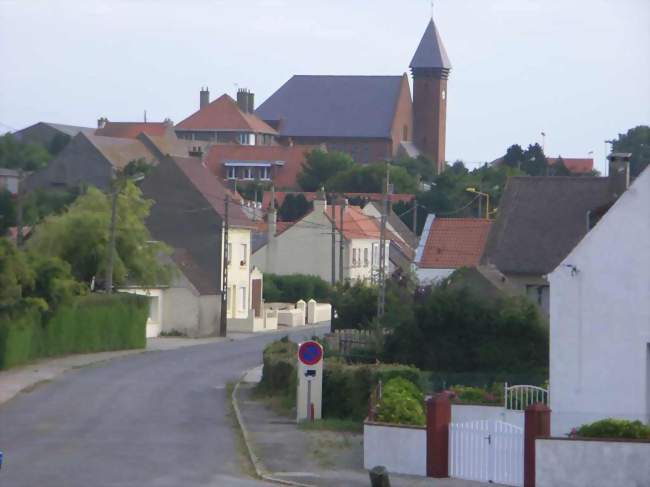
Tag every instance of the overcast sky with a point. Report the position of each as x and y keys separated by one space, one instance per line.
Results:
x=578 y=70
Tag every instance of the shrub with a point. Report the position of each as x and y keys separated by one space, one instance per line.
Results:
x=401 y=403
x=355 y=305
x=85 y=324
x=294 y=287
x=279 y=374
x=614 y=428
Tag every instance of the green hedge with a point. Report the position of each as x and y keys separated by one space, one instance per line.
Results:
x=402 y=402
x=614 y=428
x=87 y=324
x=346 y=388
x=294 y=287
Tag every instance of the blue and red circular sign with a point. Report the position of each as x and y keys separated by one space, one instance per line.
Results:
x=310 y=353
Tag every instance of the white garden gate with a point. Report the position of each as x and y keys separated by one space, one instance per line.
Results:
x=487 y=451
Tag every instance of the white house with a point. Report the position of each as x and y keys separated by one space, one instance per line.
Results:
x=448 y=244
x=305 y=246
x=600 y=318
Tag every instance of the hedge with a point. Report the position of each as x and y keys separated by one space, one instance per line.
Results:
x=613 y=428
x=87 y=324
x=294 y=287
x=346 y=388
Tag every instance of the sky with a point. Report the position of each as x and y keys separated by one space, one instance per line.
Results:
x=577 y=70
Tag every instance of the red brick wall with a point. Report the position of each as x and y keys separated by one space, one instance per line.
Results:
x=430 y=117
x=361 y=149
x=403 y=116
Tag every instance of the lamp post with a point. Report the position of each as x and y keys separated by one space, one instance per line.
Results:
x=487 y=200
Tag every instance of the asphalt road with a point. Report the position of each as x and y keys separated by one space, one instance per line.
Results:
x=157 y=419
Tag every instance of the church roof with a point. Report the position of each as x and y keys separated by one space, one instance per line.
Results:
x=431 y=53
x=334 y=106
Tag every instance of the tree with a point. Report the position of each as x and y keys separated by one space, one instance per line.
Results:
x=7 y=211
x=534 y=163
x=320 y=166
x=637 y=141
x=15 y=274
x=80 y=237
x=369 y=179
x=559 y=168
x=58 y=143
x=419 y=167
x=21 y=155
x=294 y=207
x=514 y=156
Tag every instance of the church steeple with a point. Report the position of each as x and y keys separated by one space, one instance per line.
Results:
x=430 y=68
x=431 y=53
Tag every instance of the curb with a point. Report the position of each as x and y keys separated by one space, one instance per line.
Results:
x=260 y=469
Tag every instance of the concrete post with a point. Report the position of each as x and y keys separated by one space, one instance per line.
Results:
x=311 y=312
x=537 y=423
x=302 y=306
x=438 y=419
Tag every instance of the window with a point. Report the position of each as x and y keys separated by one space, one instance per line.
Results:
x=242 y=304
x=230 y=256
x=365 y=257
x=244 y=138
x=354 y=257
x=265 y=173
x=243 y=254
x=232 y=173
x=375 y=255
x=248 y=173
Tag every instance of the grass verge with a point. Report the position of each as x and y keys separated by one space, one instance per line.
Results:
x=245 y=462
x=333 y=424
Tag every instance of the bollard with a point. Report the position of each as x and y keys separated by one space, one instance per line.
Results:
x=379 y=477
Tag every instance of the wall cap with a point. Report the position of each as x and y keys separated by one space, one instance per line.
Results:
x=602 y=440
x=394 y=425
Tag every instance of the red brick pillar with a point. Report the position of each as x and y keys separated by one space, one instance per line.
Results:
x=537 y=423
x=438 y=419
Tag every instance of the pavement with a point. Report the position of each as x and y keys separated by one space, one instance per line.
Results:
x=285 y=452
x=155 y=418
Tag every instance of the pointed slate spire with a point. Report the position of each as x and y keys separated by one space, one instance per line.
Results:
x=431 y=53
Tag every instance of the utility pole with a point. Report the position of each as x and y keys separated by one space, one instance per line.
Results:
x=19 y=210
x=223 y=325
x=333 y=240
x=111 y=238
x=341 y=241
x=381 y=295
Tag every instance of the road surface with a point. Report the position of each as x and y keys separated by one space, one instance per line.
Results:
x=156 y=419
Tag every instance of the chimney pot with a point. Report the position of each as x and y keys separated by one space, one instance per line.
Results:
x=619 y=172
x=204 y=97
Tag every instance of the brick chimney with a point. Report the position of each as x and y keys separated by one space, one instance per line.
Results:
x=619 y=172
x=204 y=97
x=251 y=102
x=242 y=99
x=101 y=122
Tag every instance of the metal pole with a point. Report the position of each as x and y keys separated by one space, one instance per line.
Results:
x=19 y=210
x=333 y=241
x=415 y=217
x=111 y=243
x=223 y=324
x=381 y=295
x=309 y=415
x=341 y=241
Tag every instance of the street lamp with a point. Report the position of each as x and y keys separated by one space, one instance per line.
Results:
x=487 y=200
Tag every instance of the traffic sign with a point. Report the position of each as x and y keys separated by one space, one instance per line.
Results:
x=310 y=353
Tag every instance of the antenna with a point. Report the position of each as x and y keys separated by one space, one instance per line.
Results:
x=431 y=9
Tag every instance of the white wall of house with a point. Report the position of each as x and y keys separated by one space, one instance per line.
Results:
x=600 y=319
x=239 y=250
x=154 y=320
x=431 y=276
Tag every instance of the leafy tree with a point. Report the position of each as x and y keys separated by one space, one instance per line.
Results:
x=514 y=156
x=559 y=168
x=44 y=202
x=53 y=281
x=80 y=237
x=369 y=179
x=21 y=155
x=58 y=143
x=7 y=211
x=355 y=305
x=534 y=163
x=320 y=166
x=419 y=167
x=636 y=141
x=294 y=207
x=15 y=274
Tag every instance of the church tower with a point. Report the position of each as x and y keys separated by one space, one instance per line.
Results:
x=430 y=68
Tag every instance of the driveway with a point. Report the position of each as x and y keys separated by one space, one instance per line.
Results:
x=158 y=419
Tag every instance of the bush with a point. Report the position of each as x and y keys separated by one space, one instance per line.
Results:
x=294 y=287
x=355 y=305
x=86 y=324
x=279 y=373
x=614 y=428
x=402 y=402
x=476 y=395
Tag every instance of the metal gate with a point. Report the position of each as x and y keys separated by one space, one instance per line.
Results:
x=487 y=451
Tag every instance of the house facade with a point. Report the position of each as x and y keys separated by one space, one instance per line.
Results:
x=9 y=179
x=305 y=246
x=600 y=319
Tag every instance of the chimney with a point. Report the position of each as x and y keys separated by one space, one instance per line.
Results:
x=251 y=102
x=242 y=99
x=101 y=122
x=619 y=172
x=204 y=97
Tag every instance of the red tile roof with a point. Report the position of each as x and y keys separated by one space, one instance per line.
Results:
x=130 y=130
x=356 y=224
x=575 y=165
x=286 y=176
x=454 y=243
x=224 y=114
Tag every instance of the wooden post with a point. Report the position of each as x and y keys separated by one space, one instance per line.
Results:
x=537 y=423
x=438 y=419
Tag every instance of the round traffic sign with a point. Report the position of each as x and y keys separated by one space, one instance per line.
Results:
x=310 y=353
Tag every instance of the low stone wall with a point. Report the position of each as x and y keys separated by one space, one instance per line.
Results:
x=461 y=413
x=593 y=462
x=291 y=317
x=401 y=449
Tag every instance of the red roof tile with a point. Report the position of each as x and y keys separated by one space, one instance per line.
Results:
x=356 y=224
x=311 y=196
x=454 y=243
x=575 y=165
x=286 y=176
x=130 y=130
x=224 y=114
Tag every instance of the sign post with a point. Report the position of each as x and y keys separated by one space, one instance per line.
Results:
x=310 y=381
